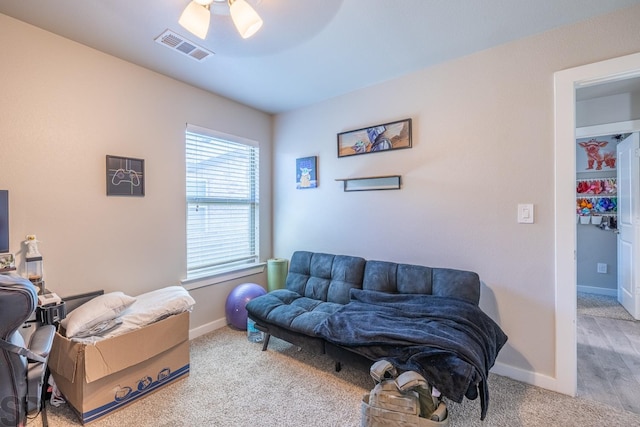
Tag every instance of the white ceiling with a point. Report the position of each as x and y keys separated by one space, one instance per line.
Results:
x=307 y=50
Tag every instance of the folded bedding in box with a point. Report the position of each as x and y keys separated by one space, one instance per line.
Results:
x=115 y=313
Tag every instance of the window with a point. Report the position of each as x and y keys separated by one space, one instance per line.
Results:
x=222 y=202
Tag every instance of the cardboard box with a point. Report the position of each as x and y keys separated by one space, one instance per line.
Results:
x=99 y=379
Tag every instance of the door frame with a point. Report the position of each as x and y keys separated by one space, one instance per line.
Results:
x=565 y=84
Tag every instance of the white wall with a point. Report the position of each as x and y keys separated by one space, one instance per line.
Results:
x=608 y=109
x=64 y=108
x=482 y=143
x=596 y=246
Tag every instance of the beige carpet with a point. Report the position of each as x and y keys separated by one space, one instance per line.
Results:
x=233 y=383
x=601 y=306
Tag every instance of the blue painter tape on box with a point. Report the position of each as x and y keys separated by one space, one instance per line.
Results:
x=133 y=395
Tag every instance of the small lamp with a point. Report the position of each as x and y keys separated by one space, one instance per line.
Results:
x=33 y=263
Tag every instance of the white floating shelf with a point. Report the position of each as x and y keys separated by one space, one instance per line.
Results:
x=389 y=182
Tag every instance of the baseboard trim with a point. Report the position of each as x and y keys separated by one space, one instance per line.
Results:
x=598 y=291
x=529 y=377
x=206 y=328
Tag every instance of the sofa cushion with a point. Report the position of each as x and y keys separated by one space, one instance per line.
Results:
x=325 y=277
x=291 y=310
x=389 y=277
x=414 y=279
x=380 y=276
x=448 y=282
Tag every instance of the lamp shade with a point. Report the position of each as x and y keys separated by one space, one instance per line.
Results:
x=195 y=18
x=245 y=18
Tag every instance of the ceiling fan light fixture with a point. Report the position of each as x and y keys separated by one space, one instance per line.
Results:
x=196 y=18
x=245 y=18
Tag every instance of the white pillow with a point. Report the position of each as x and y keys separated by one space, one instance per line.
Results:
x=156 y=305
x=100 y=309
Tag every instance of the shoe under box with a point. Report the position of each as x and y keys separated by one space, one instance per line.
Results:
x=98 y=379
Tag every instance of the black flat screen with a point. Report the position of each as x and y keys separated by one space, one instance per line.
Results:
x=4 y=221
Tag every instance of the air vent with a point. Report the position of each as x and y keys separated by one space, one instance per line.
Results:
x=175 y=41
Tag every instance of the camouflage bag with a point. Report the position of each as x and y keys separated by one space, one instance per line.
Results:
x=404 y=400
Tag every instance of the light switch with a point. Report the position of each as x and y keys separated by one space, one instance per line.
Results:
x=525 y=213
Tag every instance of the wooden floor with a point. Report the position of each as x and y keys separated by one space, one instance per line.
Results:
x=609 y=361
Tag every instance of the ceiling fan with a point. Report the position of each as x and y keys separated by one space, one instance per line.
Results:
x=197 y=16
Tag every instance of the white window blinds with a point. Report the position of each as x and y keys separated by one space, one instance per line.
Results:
x=222 y=202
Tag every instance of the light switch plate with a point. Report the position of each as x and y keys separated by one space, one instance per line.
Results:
x=525 y=213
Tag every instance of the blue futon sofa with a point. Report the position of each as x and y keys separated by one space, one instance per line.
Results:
x=359 y=311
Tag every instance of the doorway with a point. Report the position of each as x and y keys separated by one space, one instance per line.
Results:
x=596 y=204
x=607 y=359
x=566 y=83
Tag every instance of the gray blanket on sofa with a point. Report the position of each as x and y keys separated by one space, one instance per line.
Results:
x=451 y=342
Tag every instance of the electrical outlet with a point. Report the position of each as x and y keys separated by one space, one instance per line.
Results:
x=602 y=268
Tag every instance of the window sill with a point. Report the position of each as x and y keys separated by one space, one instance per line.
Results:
x=212 y=279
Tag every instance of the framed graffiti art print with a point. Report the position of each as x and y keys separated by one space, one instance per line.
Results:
x=372 y=139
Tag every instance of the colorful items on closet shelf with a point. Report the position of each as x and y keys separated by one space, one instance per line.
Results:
x=606 y=205
x=596 y=205
x=596 y=186
x=584 y=206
